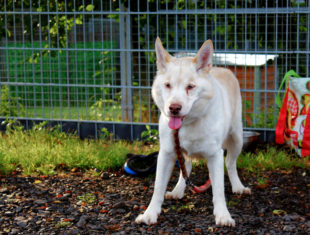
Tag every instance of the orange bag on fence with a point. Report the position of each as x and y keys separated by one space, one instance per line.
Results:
x=293 y=127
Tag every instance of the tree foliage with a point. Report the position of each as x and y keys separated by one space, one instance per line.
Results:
x=53 y=28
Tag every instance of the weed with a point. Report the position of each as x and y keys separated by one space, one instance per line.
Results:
x=105 y=134
x=9 y=106
x=150 y=135
x=187 y=207
x=265 y=118
x=232 y=203
x=63 y=224
x=100 y=110
x=262 y=180
x=199 y=163
x=87 y=198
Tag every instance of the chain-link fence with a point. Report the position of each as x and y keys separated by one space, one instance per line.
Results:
x=91 y=63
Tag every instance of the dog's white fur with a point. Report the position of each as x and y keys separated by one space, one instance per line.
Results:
x=210 y=103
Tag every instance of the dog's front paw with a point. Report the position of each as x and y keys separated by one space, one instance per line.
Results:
x=242 y=190
x=224 y=220
x=147 y=218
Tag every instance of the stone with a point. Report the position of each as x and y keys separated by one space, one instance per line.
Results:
x=40 y=202
x=82 y=221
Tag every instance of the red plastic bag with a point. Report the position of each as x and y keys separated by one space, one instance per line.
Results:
x=293 y=127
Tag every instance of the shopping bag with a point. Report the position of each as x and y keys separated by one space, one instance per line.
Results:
x=293 y=127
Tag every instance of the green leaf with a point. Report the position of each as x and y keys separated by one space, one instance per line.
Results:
x=289 y=74
x=90 y=7
x=8 y=32
x=53 y=30
x=303 y=28
x=97 y=74
x=78 y=21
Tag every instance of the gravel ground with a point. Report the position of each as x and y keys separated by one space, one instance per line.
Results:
x=77 y=203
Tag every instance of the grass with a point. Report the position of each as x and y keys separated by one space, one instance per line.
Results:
x=108 y=113
x=45 y=151
x=97 y=111
x=270 y=159
x=88 y=198
x=42 y=151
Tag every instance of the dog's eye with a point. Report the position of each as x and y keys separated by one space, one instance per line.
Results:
x=190 y=87
x=167 y=85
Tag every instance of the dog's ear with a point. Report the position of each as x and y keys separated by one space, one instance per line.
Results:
x=203 y=58
x=163 y=57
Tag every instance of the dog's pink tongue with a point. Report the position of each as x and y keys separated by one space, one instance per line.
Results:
x=175 y=123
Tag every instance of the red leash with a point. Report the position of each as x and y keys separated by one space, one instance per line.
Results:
x=178 y=152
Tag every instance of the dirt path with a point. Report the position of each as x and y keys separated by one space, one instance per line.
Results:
x=76 y=203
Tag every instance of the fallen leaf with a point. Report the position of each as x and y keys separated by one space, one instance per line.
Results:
x=262 y=186
x=127 y=215
x=74 y=169
x=279 y=212
x=67 y=220
x=113 y=227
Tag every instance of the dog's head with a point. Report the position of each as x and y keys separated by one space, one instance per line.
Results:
x=182 y=86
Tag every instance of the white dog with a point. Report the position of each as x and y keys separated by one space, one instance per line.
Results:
x=204 y=103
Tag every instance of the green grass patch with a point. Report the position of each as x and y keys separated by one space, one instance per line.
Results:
x=42 y=150
x=111 y=112
x=270 y=159
x=47 y=151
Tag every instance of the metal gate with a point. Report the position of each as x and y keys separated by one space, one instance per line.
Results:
x=90 y=64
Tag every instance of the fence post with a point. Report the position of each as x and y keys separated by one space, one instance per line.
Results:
x=257 y=94
x=125 y=60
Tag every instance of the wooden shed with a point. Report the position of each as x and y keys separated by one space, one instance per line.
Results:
x=257 y=75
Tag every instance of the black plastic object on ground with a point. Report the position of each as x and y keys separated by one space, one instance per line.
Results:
x=141 y=164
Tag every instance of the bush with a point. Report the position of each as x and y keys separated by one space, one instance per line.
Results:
x=9 y=106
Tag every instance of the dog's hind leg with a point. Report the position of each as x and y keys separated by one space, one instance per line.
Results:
x=234 y=146
x=178 y=191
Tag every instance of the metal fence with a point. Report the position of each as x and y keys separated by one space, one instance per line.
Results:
x=90 y=64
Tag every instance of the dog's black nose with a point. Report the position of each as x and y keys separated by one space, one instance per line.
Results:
x=175 y=108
